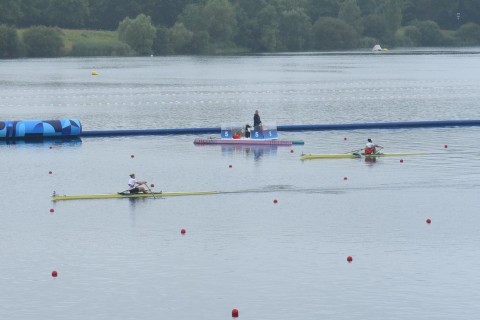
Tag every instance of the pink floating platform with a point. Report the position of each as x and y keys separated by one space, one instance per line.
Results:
x=270 y=142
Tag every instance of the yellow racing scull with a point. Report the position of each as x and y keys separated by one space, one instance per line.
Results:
x=354 y=155
x=122 y=195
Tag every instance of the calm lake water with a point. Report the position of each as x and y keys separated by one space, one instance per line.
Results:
x=126 y=259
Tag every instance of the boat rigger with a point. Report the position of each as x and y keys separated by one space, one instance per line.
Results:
x=57 y=197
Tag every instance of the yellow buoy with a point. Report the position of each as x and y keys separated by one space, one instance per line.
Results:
x=94 y=73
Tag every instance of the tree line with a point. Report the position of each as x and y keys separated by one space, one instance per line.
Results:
x=222 y=26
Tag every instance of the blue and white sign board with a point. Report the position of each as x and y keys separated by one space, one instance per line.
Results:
x=266 y=131
x=229 y=130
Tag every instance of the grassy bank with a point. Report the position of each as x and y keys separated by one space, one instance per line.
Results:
x=90 y=43
x=93 y=43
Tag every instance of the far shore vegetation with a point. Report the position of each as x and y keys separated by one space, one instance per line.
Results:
x=53 y=28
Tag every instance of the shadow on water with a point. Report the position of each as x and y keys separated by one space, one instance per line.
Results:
x=60 y=142
x=256 y=151
x=136 y=205
x=370 y=160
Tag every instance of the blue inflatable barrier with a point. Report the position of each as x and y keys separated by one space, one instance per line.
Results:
x=40 y=129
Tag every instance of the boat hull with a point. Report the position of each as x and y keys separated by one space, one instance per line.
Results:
x=271 y=142
x=352 y=156
x=136 y=195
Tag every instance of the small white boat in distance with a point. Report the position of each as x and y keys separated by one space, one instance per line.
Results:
x=377 y=48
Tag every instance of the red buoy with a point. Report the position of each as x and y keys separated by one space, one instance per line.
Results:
x=49 y=172
x=152 y=185
x=275 y=201
x=429 y=221
x=345 y=138
x=234 y=313
x=349 y=259
x=291 y=151
x=132 y=156
x=445 y=146
x=54 y=273
x=230 y=166
x=345 y=178
x=50 y=147
x=401 y=160
x=52 y=210
x=183 y=231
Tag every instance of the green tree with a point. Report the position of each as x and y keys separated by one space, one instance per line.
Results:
x=443 y=12
x=469 y=11
x=249 y=8
x=220 y=18
x=41 y=41
x=200 y=42
x=468 y=34
x=161 y=44
x=138 y=33
x=368 y=7
x=34 y=12
x=413 y=34
x=180 y=38
x=375 y=26
x=165 y=12
x=9 y=42
x=192 y=17
x=430 y=32
x=106 y=14
x=393 y=15
x=351 y=14
x=257 y=25
x=289 y=5
x=295 y=29
x=322 y=8
x=248 y=30
x=68 y=13
x=268 y=40
x=10 y=11
x=333 y=34
x=267 y=23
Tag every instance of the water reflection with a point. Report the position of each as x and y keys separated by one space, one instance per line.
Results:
x=256 y=151
x=135 y=205
x=53 y=143
x=370 y=160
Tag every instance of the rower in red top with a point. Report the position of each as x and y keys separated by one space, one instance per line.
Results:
x=371 y=148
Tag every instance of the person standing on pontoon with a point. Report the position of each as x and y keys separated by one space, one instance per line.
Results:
x=257 y=124
x=256 y=120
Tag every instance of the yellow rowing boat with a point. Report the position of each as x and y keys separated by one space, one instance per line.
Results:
x=354 y=155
